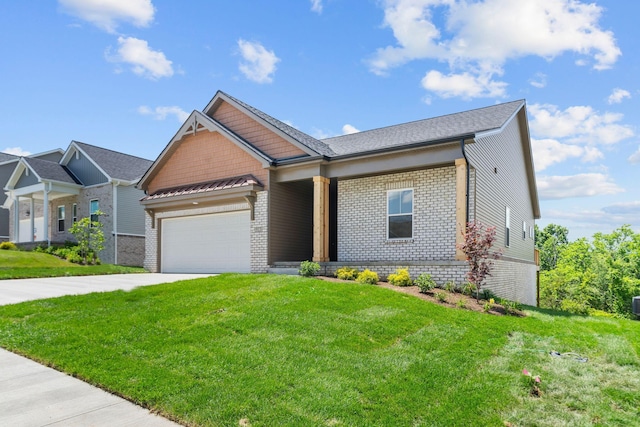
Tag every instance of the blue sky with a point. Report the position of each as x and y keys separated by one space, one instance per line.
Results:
x=123 y=74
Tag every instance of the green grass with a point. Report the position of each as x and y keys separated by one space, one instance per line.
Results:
x=22 y=265
x=275 y=350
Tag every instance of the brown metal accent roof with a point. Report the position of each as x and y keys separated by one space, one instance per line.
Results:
x=205 y=187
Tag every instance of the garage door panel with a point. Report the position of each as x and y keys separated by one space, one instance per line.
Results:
x=214 y=243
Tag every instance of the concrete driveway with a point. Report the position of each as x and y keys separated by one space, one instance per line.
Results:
x=19 y=290
x=34 y=395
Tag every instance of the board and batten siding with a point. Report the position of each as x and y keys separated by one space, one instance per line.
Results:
x=130 y=212
x=85 y=170
x=26 y=180
x=501 y=181
x=291 y=221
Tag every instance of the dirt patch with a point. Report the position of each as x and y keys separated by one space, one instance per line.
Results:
x=451 y=299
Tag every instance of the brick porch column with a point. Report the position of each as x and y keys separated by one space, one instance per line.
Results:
x=461 y=206
x=320 y=219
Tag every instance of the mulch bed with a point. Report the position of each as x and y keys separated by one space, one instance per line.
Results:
x=451 y=300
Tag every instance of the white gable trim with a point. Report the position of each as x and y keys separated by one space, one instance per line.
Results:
x=22 y=166
x=73 y=149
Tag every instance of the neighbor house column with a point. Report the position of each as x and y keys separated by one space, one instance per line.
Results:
x=461 y=206
x=32 y=214
x=320 y=219
x=45 y=214
x=16 y=219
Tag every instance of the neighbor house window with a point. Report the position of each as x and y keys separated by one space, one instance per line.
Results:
x=74 y=213
x=531 y=233
x=400 y=214
x=60 y=218
x=524 y=230
x=94 y=207
x=507 y=225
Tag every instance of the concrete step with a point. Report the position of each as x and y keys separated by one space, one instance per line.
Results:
x=283 y=270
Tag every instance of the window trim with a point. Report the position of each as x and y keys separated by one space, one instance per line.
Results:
x=507 y=225
x=74 y=213
x=61 y=219
x=91 y=214
x=524 y=230
x=388 y=215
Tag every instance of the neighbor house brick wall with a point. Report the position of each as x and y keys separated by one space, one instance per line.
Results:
x=249 y=129
x=203 y=157
x=259 y=234
x=362 y=219
x=131 y=250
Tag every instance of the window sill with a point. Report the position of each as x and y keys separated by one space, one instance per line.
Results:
x=391 y=241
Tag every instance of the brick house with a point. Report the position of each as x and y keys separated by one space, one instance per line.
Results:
x=238 y=190
x=45 y=196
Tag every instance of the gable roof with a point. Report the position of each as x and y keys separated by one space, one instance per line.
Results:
x=443 y=128
x=6 y=157
x=50 y=171
x=113 y=164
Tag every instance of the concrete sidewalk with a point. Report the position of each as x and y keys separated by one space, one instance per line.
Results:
x=32 y=395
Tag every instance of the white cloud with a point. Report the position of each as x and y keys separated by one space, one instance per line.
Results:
x=539 y=81
x=618 y=95
x=578 y=124
x=16 y=151
x=546 y=152
x=259 y=63
x=106 y=14
x=464 y=85
x=161 y=113
x=349 y=129
x=483 y=35
x=316 y=6
x=581 y=185
x=624 y=208
x=144 y=61
x=635 y=157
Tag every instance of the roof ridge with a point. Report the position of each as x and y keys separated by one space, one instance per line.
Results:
x=110 y=150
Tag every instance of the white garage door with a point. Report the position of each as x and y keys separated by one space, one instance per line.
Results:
x=215 y=243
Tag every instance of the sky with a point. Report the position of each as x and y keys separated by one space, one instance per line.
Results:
x=125 y=74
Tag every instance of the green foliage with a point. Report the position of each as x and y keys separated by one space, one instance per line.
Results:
x=469 y=289
x=450 y=286
x=462 y=303
x=441 y=296
x=511 y=307
x=400 y=278
x=425 y=282
x=8 y=246
x=368 y=276
x=90 y=238
x=347 y=273
x=309 y=268
x=550 y=242
x=602 y=275
x=487 y=295
x=478 y=240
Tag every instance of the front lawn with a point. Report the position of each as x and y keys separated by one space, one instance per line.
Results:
x=265 y=350
x=22 y=265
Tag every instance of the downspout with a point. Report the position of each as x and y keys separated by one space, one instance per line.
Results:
x=46 y=214
x=466 y=160
x=115 y=221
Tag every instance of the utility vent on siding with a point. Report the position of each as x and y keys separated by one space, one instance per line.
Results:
x=399 y=184
x=636 y=306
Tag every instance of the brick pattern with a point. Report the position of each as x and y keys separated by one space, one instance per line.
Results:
x=206 y=156
x=150 y=245
x=362 y=220
x=441 y=273
x=260 y=235
x=131 y=250
x=514 y=280
x=267 y=141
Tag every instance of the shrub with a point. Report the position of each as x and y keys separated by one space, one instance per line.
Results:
x=441 y=296
x=488 y=305
x=487 y=294
x=469 y=289
x=425 y=283
x=462 y=303
x=477 y=244
x=368 y=276
x=575 y=307
x=8 y=246
x=510 y=307
x=400 y=278
x=309 y=268
x=347 y=273
x=450 y=286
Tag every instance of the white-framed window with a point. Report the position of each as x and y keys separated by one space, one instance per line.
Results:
x=524 y=230
x=400 y=214
x=531 y=232
x=507 y=226
x=74 y=213
x=60 y=218
x=94 y=206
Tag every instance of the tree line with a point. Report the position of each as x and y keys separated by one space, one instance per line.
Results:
x=598 y=276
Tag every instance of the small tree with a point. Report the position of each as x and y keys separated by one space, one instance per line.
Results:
x=478 y=240
x=89 y=236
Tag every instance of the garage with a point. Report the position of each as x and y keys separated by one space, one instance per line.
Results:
x=213 y=243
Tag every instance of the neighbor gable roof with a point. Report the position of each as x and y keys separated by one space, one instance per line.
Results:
x=113 y=164
x=44 y=170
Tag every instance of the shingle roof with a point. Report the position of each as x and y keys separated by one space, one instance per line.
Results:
x=205 y=187
x=304 y=139
x=435 y=129
x=53 y=171
x=116 y=165
x=5 y=157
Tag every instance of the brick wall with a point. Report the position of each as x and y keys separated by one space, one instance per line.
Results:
x=260 y=235
x=150 y=245
x=362 y=220
x=514 y=280
x=131 y=250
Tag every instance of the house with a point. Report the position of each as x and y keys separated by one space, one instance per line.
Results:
x=46 y=195
x=238 y=190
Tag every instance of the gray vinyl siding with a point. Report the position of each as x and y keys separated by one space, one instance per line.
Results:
x=501 y=181
x=26 y=180
x=130 y=212
x=291 y=221
x=85 y=170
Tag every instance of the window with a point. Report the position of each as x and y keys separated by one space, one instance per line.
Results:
x=531 y=233
x=400 y=214
x=74 y=213
x=524 y=230
x=507 y=225
x=94 y=207
x=60 y=218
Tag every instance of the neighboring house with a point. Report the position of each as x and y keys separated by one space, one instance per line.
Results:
x=8 y=163
x=46 y=196
x=238 y=190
